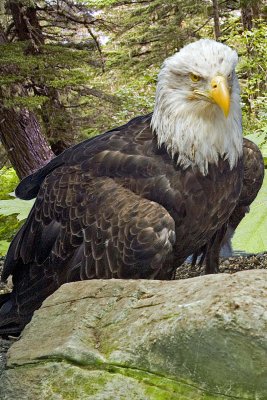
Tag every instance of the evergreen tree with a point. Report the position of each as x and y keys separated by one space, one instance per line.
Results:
x=50 y=55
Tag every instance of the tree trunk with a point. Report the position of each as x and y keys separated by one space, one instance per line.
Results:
x=246 y=15
x=216 y=19
x=21 y=136
x=58 y=122
x=3 y=38
x=26 y=22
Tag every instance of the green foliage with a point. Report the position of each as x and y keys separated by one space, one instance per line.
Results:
x=31 y=102
x=3 y=247
x=49 y=84
x=260 y=138
x=97 y=4
x=13 y=211
x=252 y=49
x=18 y=207
x=145 y=33
x=8 y=224
x=55 y=67
x=8 y=182
x=9 y=205
x=251 y=235
x=135 y=97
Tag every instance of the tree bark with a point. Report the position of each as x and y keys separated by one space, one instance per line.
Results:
x=26 y=22
x=21 y=136
x=216 y=18
x=3 y=38
x=246 y=15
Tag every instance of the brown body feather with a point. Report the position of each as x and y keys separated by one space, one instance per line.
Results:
x=116 y=206
x=252 y=182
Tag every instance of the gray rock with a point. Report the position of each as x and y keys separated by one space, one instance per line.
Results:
x=199 y=338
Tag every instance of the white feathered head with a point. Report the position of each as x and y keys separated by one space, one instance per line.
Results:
x=197 y=111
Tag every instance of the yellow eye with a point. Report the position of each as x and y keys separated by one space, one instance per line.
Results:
x=194 y=77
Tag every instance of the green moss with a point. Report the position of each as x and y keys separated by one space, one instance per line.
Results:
x=161 y=388
x=62 y=380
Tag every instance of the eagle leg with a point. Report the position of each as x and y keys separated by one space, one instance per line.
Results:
x=213 y=251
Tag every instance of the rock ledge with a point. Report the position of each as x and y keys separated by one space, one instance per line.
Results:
x=200 y=338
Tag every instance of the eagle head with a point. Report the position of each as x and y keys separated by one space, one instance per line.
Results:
x=197 y=112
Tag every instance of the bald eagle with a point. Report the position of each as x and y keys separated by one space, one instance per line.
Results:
x=136 y=201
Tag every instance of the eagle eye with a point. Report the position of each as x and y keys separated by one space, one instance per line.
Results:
x=194 y=77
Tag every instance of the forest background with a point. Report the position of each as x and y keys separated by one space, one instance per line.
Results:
x=71 y=69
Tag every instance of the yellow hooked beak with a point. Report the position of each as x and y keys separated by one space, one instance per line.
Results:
x=220 y=94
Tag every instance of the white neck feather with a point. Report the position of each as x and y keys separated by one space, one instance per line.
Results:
x=197 y=130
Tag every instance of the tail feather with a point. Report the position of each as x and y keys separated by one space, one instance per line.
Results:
x=4 y=298
x=30 y=290
x=11 y=323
